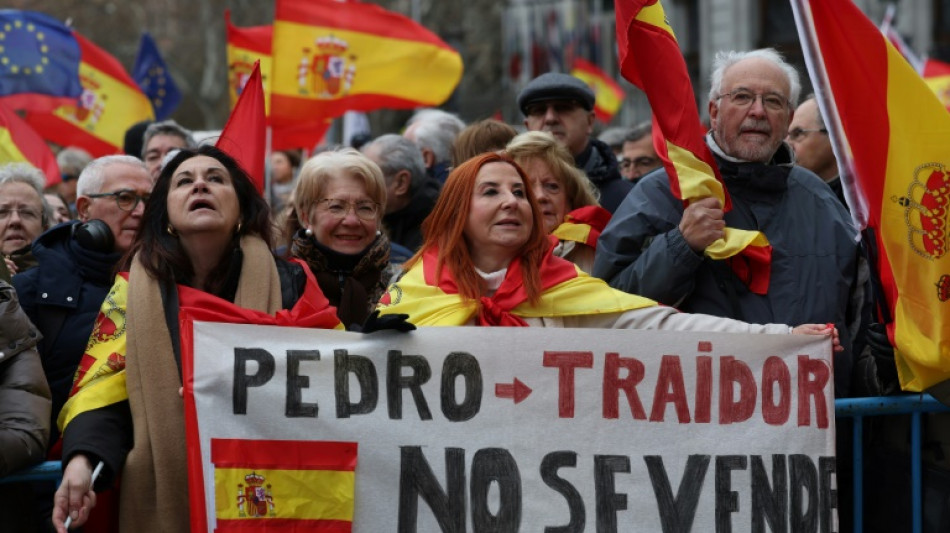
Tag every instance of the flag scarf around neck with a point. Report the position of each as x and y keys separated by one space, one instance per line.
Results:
x=151 y=73
x=100 y=378
x=19 y=143
x=608 y=96
x=583 y=225
x=432 y=300
x=39 y=61
x=898 y=134
x=651 y=59
x=331 y=57
x=111 y=102
x=244 y=136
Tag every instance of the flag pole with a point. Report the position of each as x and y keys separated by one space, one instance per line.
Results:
x=268 y=134
x=839 y=142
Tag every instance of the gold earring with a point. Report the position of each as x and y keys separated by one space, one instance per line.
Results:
x=239 y=227
x=171 y=231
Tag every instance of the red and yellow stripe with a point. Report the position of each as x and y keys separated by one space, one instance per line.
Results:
x=608 y=96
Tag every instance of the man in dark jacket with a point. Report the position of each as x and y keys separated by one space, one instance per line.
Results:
x=410 y=192
x=653 y=246
x=564 y=106
x=62 y=295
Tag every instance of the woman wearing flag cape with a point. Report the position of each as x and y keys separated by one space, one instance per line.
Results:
x=487 y=260
x=205 y=243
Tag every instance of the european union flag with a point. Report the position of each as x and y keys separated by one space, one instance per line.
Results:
x=38 y=56
x=152 y=76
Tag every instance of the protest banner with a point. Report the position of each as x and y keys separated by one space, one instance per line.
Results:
x=507 y=429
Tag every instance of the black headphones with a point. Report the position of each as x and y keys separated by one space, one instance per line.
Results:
x=94 y=235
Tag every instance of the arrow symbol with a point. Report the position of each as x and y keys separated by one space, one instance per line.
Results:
x=517 y=390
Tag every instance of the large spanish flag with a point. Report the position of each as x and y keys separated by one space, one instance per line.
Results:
x=245 y=47
x=265 y=485
x=19 y=143
x=110 y=103
x=897 y=134
x=331 y=57
x=650 y=58
x=608 y=96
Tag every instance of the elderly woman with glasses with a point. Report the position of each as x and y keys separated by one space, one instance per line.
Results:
x=204 y=245
x=486 y=261
x=339 y=201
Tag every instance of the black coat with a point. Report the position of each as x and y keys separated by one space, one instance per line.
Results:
x=600 y=165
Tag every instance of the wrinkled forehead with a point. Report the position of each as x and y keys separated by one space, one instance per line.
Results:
x=17 y=192
x=757 y=75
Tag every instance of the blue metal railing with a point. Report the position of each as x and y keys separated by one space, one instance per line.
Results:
x=855 y=408
x=914 y=405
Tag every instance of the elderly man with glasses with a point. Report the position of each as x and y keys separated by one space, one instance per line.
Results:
x=654 y=245
x=62 y=295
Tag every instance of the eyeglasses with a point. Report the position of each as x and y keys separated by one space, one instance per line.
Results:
x=339 y=208
x=26 y=214
x=126 y=199
x=745 y=98
x=798 y=133
x=560 y=107
x=640 y=162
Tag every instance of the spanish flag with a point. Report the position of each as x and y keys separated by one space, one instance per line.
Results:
x=431 y=297
x=608 y=96
x=331 y=57
x=19 y=143
x=896 y=136
x=282 y=485
x=110 y=103
x=583 y=225
x=244 y=134
x=937 y=76
x=650 y=58
x=245 y=47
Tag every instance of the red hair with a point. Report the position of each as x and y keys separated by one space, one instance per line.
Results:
x=445 y=229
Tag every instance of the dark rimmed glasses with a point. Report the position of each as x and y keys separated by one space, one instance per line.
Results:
x=745 y=98
x=126 y=199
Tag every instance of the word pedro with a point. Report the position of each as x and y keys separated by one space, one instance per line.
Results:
x=794 y=494
x=738 y=388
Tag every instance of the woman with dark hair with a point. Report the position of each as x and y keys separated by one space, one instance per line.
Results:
x=486 y=260
x=205 y=241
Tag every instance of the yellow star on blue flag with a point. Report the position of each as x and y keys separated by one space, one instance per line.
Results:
x=152 y=76
x=39 y=59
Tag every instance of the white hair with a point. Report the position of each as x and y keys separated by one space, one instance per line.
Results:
x=93 y=176
x=23 y=173
x=726 y=59
x=436 y=131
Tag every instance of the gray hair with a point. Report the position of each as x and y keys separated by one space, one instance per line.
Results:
x=167 y=127
x=394 y=153
x=639 y=131
x=94 y=175
x=821 y=120
x=726 y=59
x=436 y=131
x=30 y=175
x=614 y=137
x=72 y=160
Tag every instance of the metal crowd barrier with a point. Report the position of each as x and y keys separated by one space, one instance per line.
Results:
x=855 y=408
x=914 y=405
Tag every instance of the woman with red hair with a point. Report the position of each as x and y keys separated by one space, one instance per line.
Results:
x=487 y=260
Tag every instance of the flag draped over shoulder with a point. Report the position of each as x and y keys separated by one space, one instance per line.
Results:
x=19 y=143
x=651 y=59
x=39 y=61
x=608 y=96
x=152 y=75
x=110 y=103
x=244 y=135
x=896 y=136
x=331 y=57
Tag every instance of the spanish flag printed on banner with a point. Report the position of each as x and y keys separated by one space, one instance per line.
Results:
x=650 y=58
x=283 y=485
x=897 y=133
x=331 y=57
x=110 y=103
x=19 y=143
x=608 y=96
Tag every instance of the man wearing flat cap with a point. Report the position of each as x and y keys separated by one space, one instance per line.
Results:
x=563 y=106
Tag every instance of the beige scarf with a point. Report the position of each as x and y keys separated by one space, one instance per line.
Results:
x=154 y=486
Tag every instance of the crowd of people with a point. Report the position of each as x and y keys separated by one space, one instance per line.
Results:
x=488 y=224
